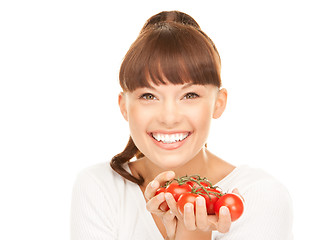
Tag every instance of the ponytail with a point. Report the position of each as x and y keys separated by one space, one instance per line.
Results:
x=120 y=159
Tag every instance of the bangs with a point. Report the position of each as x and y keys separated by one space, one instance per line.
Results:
x=173 y=53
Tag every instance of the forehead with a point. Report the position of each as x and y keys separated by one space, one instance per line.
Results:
x=154 y=86
x=172 y=88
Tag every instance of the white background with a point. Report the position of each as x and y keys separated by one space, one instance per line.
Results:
x=59 y=64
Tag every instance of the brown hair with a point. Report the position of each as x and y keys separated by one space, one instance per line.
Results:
x=171 y=46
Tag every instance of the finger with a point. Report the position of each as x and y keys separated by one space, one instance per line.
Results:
x=171 y=202
x=170 y=223
x=235 y=190
x=224 y=220
x=201 y=214
x=189 y=218
x=159 y=180
x=151 y=189
x=164 y=177
x=154 y=203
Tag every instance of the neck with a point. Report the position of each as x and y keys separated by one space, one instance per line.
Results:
x=198 y=165
x=204 y=164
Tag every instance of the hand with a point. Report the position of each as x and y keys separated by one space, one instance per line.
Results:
x=153 y=202
x=200 y=222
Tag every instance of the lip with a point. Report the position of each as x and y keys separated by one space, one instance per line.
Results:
x=169 y=146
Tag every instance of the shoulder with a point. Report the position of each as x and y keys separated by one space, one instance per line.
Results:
x=245 y=177
x=261 y=189
x=98 y=178
x=100 y=172
x=94 y=206
x=257 y=183
x=268 y=206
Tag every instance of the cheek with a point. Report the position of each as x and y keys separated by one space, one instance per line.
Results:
x=136 y=117
x=200 y=115
x=137 y=125
x=139 y=119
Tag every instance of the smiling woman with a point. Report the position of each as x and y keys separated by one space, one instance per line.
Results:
x=171 y=48
x=171 y=85
x=182 y=111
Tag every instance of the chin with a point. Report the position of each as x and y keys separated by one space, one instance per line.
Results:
x=170 y=163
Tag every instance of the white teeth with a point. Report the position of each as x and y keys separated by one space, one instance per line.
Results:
x=169 y=138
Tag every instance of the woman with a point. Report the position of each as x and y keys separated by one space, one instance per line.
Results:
x=171 y=90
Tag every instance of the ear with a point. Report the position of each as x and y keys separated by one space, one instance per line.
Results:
x=220 y=103
x=123 y=106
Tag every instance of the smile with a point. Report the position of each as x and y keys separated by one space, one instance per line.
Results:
x=170 y=138
x=169 y=141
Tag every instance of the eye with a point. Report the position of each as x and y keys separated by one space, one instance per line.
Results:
x=191 y=95
x=148 y=96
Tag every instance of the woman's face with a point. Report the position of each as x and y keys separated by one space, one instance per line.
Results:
x=170 y=123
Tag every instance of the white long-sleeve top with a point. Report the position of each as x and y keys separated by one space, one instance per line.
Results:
x=106 y=207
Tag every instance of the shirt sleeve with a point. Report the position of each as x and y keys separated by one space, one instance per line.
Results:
x=91 y=212
x=267 y=214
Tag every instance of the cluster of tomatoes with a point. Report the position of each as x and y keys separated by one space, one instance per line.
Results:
x=186 y=189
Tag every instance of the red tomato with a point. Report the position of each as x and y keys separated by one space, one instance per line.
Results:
x=176 y=190
x=164 y=207
x=233 y=202
x=211 y=199
x=186 y=198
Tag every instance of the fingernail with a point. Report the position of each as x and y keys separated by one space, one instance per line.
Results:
x=200 y=201
x=224 y=211
x=188 y=207
x=167 y=196
x=170 y=175
x=160 y=196
x=153 y=184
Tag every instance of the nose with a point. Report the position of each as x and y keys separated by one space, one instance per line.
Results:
x=169 y=114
